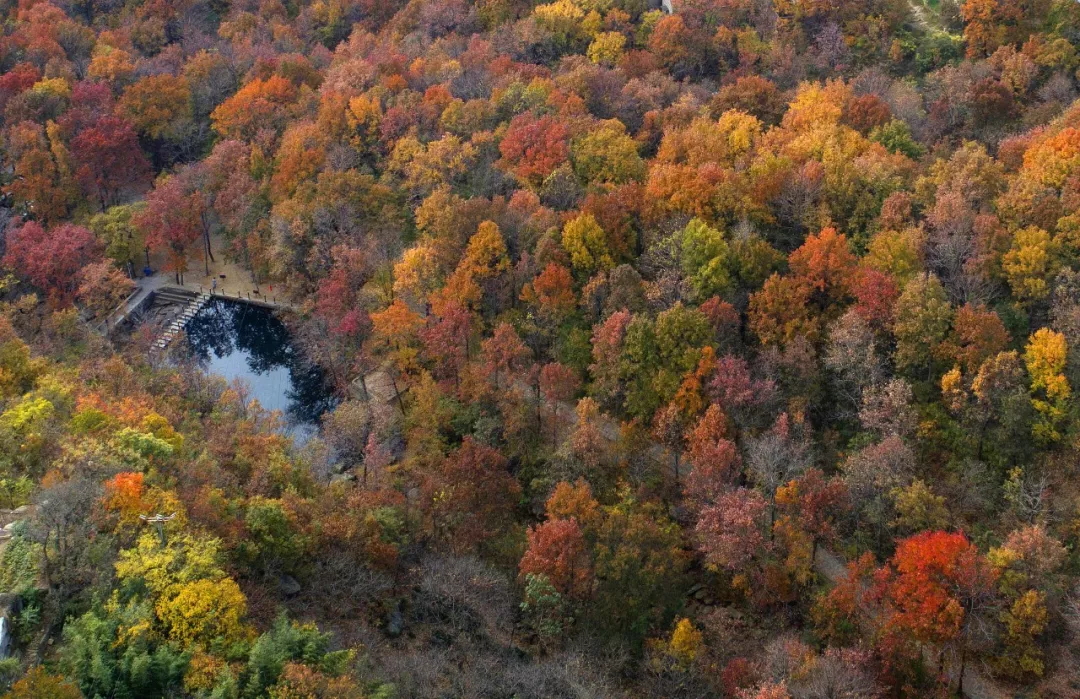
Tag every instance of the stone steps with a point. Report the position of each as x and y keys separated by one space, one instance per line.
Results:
x=195 y=303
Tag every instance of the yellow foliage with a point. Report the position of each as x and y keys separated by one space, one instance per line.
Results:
x=1024 y=622
x=53 y=87
x=952 y=389
x=1030 y=263
x=159 y=427
x=201 y=612
x=896 y=252
x=364 y=117
x=686 y=643
x=1045 y=357
x=607 y=48
x=583 y=238
x=183 y=560
x=111 y=65
x=816 y=105
x=563 y=17
x=416 y=274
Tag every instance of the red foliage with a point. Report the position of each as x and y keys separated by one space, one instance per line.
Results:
x=110 y=160
x=929 y=583
x=532 y=148
x=446 y=340
x=474 y=495
x=714 y=457
x=552 y=291
x=739 y=674
x=875 y=294
x=51 y=259
x=731 y=533
x=815 y=501
x=503 y=355
x=737 y=392
x=172 y=220
x=557 y=549
x=825 y=263
x=21 y=77
x=864 y=112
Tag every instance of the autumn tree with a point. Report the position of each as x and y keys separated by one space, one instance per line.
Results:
x=158 y=106
x=607 y=155
x=109 y=161
x=586 y=243
x=922 y=318
x=39 y=684
x=260 y=104
x=51 y=259
x=123 y=240
x=557 y=549
x=733 y=532
x=171 y=221
x=552 y=291
x=43 y=172
x=1044 y=357
x=814 y=503
x=473 y=495
x=933 y=590
x=781 y=311
x=852 y=359
x=533 y=148
x=825 y=263
x=989 y=24
x=557 y=383
x=503 y=357
x=639 y=563
x=102 y=288
x=716 y=464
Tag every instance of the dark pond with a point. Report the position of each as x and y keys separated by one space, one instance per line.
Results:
x=242 y=341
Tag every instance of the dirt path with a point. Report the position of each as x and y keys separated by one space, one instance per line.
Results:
x=918 y=12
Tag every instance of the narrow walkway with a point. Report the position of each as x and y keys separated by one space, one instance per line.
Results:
x=194 y=305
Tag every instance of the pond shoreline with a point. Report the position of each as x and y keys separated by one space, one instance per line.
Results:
x=248 y=342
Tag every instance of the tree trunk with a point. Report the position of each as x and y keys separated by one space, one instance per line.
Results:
x=206 y=237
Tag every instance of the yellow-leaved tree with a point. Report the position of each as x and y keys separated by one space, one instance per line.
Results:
x=204 y=613
x=1045 y=356
x=196 y=603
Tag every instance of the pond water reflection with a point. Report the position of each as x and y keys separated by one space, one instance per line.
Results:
x=242 y=341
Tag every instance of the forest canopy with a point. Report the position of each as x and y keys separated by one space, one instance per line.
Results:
x=705 y=348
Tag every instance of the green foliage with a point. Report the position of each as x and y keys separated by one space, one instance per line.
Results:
x=546 y=612
x=706 y=260
x=896 y=137
x=15 y=491
x=145 y=445
x=123 y=240
x=273 y=542
x=106 y=660
x=288 y=641
x=639 y=569
x=19 y=564
x=22 y=435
